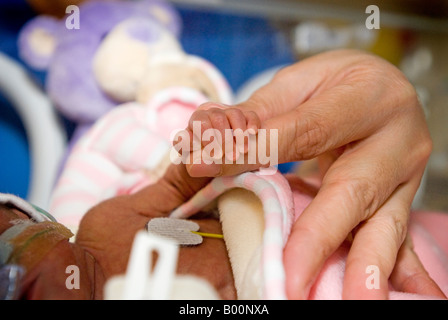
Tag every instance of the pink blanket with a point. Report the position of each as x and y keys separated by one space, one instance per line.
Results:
x=284 y=198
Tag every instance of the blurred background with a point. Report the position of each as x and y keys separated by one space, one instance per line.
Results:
x=248 y=40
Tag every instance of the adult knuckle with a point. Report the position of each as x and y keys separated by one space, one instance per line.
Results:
x=401 y=228
x=309 y=135
x=427 y=147
x=324 y=242
x=402 y=93
x=424 y=149
x=358 y=193
x=394 y=227
x=392 y=83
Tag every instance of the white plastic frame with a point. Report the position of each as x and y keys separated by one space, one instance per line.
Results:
x=46 y=135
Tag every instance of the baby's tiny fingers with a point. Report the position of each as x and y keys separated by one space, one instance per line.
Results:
x=253 y=122
x=237 y=121
x=200 y=123
x=236 y=118
x=210 y=105
x=222 y=131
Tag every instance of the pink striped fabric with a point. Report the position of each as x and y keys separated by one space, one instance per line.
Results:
x=114 y=157
x=104 y=163
x=276 y=196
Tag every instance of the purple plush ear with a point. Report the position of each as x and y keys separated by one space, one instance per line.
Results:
x=37 y=41
x=164 y=13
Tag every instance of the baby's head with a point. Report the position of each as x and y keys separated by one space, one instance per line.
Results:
x=35 y=253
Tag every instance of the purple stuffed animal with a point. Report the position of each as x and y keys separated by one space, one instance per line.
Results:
x=69 y=54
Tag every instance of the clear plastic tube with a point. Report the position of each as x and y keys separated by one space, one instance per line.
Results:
x=10 y=281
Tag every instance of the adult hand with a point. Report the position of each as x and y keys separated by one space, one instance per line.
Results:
x=360 y=116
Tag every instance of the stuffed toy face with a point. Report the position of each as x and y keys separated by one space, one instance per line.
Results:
x=123 y=58
x=68 y=55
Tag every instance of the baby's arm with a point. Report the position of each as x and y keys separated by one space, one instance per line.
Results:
x=175 y=187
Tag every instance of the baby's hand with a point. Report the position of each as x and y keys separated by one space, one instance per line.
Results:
x=230 y=124
x=215 y=135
